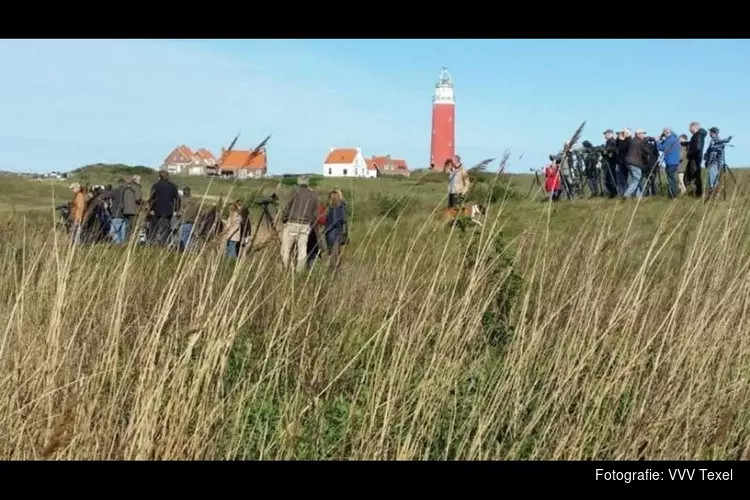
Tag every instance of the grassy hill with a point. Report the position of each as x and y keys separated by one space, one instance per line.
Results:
x=98 y=170
x=591 y=329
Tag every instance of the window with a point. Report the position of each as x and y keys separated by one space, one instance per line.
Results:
x=356 y=171
x=345 y=172
x=330 y=171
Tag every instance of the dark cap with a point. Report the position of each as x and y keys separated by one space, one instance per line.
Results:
x=714 y=130
x=609 y=131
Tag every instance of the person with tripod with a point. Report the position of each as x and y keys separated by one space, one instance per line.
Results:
x=117 y=223
x=609 y=163
x=715 y=159
x=695 y=157
x=669 y=145
x=298 y=216
x=552 y=180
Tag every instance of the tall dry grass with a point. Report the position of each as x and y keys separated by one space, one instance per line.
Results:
x=617 y=341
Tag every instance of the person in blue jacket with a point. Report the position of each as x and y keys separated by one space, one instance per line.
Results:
x=669 y=145
x=336 y=229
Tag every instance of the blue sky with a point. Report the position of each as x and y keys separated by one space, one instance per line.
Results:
x=66 y=103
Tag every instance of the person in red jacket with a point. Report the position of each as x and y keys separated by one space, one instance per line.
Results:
x=314 y=241
x=552 y=180
x=322 y=214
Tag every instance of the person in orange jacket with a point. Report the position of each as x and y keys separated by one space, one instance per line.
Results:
x=77 y=211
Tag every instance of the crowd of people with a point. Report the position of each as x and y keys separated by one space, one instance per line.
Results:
x=173 y=218
x=629 y=165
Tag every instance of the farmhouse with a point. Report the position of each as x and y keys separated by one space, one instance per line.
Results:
x=387 y=166
x=183 y=160
x=237 y=163
x=347 y=162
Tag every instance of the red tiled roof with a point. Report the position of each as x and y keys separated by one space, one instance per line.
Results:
x=400 y=164
x=341 y=155
x=237 y=158
x=370 y=164
x=206 y=155
x=382 y=161
x=186 y=151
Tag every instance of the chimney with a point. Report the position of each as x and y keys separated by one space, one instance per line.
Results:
x=331 y=150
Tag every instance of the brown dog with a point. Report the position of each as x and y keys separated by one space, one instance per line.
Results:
x=474 y=212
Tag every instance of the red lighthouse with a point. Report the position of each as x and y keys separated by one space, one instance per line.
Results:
x=443 y=144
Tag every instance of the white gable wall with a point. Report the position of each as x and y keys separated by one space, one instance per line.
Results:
x=357 y=168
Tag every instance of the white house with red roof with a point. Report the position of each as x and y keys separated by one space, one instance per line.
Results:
x=347 y=162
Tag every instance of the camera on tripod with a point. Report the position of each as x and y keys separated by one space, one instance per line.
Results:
x=65 y=222
x=268 y=200
x=587 y=147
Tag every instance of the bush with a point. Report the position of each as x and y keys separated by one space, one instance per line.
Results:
x=313 y=180
x=432 y=177
x=490 y=188
x=113 y=169
x=390 y=206
x=504 y=285
x=487 y=193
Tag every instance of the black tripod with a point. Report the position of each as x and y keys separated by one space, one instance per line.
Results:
x=726 y=169
x=536 y=183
